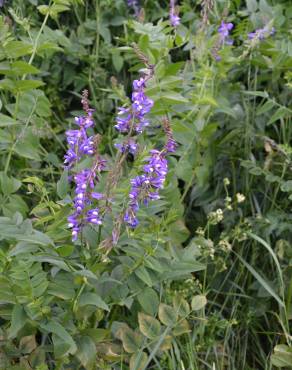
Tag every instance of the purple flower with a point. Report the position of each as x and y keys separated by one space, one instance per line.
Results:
x=93 y=217
x=224 y=38
x=97 y=196
x=145 y=187
x=224 y=30
x=135 y=117
x=261 y=33
x=173 y=15
x=130 y=218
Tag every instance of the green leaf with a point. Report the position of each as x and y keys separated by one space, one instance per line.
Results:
x=149 y=326
x=92 y=299
x=181 y=328
x=143 y=274
x=179 y=232
x=181 y=268
x=86 y=352
x=172 y=97
x=149 y=301
x=6 y=121
x=61 y=348
x=8 y=184
x=167 y=315
x=24 y=85
x=252 y=5
x=16 y=49
x=281 y=112
x=97 y=335
x=15 y=204
x=181 y=306
x=282 y=356
x=118 y=62
x=63 y=185
x=138 y=361
x=28 y=146
x=18 y=320
x=17 y=68
x=265 y=107
x=131 y=340
x=287 y=186
x=57 y=329
x=198 y=302
x=262 y=94
x=43 y=9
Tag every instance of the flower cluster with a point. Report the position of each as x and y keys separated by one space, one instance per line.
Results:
x=78 y=142
x=261 y=33
x=146 y=186
x=224 y=38
x=173 y=14
x=134 y=118
x=85 y=210
x=224 y=30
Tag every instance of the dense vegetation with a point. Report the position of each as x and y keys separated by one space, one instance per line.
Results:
x=184 y=259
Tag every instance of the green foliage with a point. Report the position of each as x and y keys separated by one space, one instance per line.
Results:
x=205 y=280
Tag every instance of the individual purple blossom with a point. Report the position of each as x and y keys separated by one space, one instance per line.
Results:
x=224 y=31
x=93 y=217
x=261 y=33
x=173 y=14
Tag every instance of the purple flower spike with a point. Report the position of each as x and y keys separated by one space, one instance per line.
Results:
x=85 y=210
x=144 y=188
x=135 y=117
x=224 y=38
x=173 y=15
x=261 y=33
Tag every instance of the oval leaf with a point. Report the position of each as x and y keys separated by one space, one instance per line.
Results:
x=167 y=314
x=148 y=326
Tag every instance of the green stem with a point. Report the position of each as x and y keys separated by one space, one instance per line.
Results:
x=74 y=309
